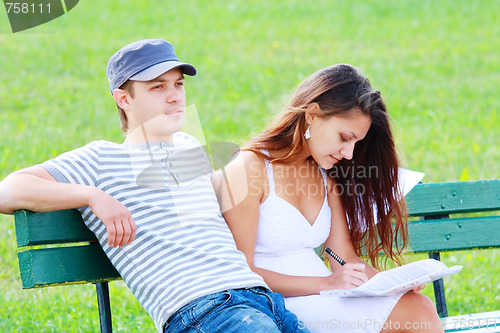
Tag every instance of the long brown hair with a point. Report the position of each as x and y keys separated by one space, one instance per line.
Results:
x=373 y=203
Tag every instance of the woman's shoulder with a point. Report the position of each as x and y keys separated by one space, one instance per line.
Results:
x=247 y=163
x=244 y=176
x=249 y=157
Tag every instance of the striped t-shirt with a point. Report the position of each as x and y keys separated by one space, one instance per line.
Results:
x=183 y=248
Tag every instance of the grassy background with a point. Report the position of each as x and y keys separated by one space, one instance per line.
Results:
x=436 y=63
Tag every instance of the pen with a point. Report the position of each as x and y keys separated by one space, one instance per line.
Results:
x=335 y=256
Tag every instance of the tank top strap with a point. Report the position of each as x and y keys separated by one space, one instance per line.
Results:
x=323 y=174
x=270 y=173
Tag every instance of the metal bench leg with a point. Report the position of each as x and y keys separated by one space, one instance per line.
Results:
x=439 y=291
x=442 y=310
x=102 y=291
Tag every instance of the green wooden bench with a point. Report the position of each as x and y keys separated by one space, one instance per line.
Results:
x=80 y=259
x=437 y=232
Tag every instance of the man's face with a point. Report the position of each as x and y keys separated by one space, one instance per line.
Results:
x=159 y=105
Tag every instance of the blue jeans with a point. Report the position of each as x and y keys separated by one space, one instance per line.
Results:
x=237 y=310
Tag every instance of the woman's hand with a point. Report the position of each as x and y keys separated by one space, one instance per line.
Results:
x=418 y=289
x=348 y=276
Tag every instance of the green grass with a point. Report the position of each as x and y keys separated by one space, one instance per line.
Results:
x=436 y=63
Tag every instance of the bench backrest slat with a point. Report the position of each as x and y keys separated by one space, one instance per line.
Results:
x=454 y=234
x=451 y=198
x=65 y=265
x=438 y=200
x=63 y=226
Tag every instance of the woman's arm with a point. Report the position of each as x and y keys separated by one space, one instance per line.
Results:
x=36 y=189
x=246 y=185
x=340 y=240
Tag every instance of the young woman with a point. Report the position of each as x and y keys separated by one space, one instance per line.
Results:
x=325 y=172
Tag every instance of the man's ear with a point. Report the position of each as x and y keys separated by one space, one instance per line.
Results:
x=311 y=112
x=122 y=98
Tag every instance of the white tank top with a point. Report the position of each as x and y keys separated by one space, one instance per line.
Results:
x=283 y=229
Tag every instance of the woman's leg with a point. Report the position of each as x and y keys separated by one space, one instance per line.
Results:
x=413 y=313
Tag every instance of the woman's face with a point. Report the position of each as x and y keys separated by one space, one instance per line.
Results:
x=333 y=138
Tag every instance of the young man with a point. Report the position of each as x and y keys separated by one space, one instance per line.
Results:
x=151 y=204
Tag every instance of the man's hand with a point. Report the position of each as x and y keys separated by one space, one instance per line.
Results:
x=115 y=216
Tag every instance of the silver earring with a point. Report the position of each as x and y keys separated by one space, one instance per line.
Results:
x=307 y=134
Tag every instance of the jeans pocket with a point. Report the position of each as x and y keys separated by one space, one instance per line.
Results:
x=202 y=309
x=276 y=303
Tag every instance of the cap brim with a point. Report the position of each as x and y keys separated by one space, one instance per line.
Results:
x=154 y=71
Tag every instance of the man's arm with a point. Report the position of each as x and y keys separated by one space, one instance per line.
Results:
x=36 y=189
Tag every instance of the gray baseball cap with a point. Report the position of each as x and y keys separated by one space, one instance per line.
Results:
x=144 y=60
